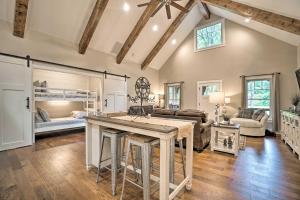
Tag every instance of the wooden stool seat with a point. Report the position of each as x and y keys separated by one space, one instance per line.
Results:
x=113 y=131
x=141 y=138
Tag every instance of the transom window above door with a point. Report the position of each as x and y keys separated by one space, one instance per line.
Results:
x=210 y=35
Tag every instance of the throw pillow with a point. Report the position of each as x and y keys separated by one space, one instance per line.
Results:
x=246 y=113
x=258 y=115
x=79 y=114
x=44 y=115
x=44 y=84
x=37 y=84
x=38 y=118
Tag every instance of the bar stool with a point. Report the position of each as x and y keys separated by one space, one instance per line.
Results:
x=172 y=156
x=115 y=139
x=145 y=144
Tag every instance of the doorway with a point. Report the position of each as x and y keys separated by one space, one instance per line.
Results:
x=204 y=89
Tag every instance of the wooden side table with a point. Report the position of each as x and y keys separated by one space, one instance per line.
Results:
x=220 y=132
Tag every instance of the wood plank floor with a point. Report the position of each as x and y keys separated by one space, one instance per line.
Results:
x=54 y=168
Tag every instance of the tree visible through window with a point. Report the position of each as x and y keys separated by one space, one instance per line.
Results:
x=259 y=94
x=209 y=36
x=174 y=96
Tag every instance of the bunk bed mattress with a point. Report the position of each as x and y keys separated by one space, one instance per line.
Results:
x=59 y=124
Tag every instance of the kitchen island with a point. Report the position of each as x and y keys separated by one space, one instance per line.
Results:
x=148 y=127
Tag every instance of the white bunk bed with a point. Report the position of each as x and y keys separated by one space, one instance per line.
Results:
x=58 y=94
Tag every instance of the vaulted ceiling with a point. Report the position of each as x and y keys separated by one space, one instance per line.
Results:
x=67 y=19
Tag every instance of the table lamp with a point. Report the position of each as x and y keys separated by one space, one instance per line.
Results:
x=217 y=98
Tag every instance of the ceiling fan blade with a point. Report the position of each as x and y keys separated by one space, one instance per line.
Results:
x=157 y=9
x=176 y=5
x=143 y=4
x=168 y=10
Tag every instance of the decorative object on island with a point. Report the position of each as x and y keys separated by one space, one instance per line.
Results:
x=217 y=98
x=142 y=89
x=167 y=4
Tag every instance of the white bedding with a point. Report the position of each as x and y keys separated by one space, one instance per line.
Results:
x=59 y=124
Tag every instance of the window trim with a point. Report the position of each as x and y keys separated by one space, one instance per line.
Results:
x=222 y=21
x=167 y=85
x=271 y=95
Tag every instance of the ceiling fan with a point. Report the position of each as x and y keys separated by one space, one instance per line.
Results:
x=167 y=4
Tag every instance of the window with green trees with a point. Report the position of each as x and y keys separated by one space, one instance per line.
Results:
x=259 y=94
x=209 y=36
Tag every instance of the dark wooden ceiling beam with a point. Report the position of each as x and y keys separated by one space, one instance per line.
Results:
x=207 y=11
x=269 y=18
x=92 y=25
x=21 y=8
x=167 y=35
x=137 y=30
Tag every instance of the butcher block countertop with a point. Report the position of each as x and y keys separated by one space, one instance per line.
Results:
x=134 y=124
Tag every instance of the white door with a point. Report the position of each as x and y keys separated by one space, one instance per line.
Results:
x=15 y=104
x=120 y=103
x=114 y=94
x=204 y=89
x=109 y=103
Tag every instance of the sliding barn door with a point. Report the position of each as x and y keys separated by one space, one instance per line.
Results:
x=15 y=107
x=114 y=94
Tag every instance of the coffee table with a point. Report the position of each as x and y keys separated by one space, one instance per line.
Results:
x=221 y=132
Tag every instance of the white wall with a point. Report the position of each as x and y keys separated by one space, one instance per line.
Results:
x=41 y=46
x=246 y=52
x=298 y=56
x=61 y=80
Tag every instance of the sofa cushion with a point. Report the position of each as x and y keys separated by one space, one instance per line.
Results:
x=136 y=110
x=247 y=123
x=258 y=114
x=246 y=113
x=192 y=113
x=164 y=112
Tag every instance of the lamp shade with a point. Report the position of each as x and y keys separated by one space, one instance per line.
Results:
x=227 y=100
x=217 y=98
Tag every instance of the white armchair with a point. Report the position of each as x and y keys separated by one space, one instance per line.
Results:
x=251 y=127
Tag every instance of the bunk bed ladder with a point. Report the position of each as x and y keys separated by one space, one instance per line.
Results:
x=91 y=105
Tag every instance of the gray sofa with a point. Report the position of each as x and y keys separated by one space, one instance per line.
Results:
x=202 y=128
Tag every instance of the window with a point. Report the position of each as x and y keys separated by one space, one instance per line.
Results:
x=258 y=93
x=174 y=96
x=208 y=89
x=210 y=36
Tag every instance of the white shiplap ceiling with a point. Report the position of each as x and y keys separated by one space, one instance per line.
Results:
x=66 y=20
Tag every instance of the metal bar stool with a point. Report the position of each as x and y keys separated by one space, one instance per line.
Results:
x=115 y=139
x=145 y=143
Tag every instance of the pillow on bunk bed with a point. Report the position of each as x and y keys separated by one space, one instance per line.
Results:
x=37 y=84
x=44 y=84
x=38 y=118
x=78 y=114
x=44 y=115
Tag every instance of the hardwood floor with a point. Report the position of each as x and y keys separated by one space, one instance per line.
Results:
x=54 y=168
